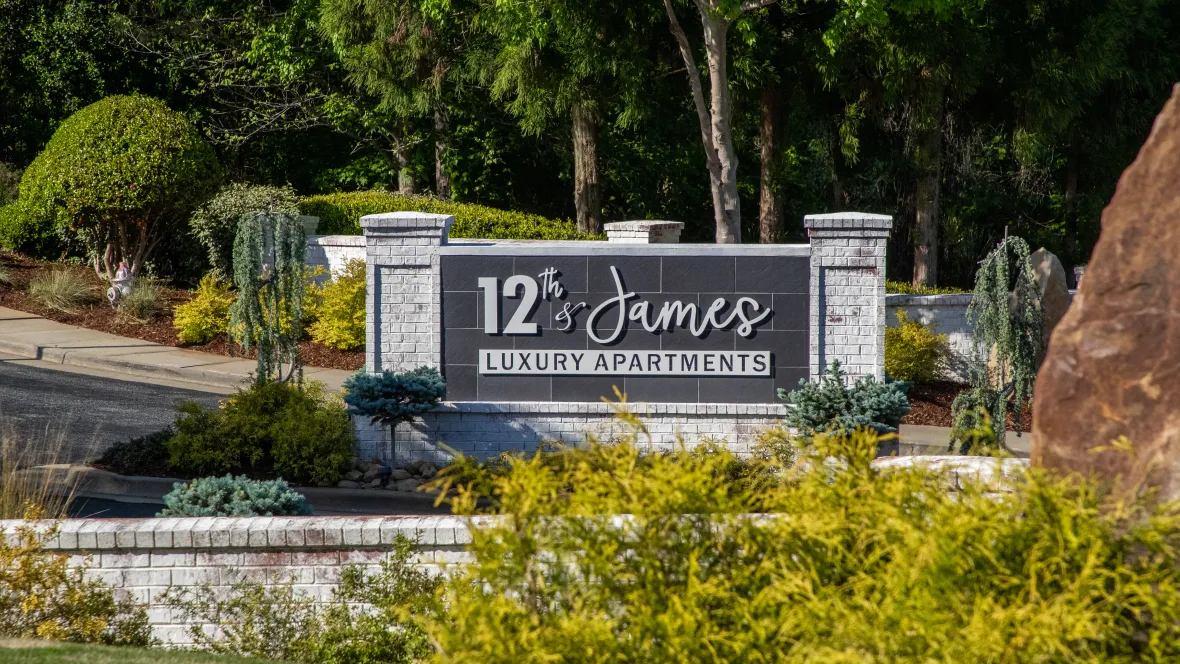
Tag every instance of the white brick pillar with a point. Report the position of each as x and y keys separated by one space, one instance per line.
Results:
x=404 y=318
x=848 y=291
x=644 y=232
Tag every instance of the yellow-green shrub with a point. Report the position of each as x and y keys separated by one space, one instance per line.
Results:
x=340 y=309
x=340 y=213
x=207 y=314
x=906 y=288
x=42 y=598
x=913 y=351
x=600 y=558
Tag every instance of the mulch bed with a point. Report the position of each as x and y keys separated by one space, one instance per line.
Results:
x=930 y=405
x=100 y=316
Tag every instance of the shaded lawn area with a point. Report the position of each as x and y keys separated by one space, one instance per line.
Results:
x=47 y=652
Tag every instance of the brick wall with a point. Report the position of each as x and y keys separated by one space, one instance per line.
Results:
x=333 y=252
x=483 y=429
x=142 y=558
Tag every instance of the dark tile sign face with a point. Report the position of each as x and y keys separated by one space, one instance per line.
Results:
x=661 y=328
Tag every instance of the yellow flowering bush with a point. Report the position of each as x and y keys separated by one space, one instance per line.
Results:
x=340 y=309
x=913 y=352
x=205 y=316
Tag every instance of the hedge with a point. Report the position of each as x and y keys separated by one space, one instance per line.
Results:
x=340 y=214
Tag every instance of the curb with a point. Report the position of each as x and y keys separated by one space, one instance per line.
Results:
x=88 y=482
x=74 y=357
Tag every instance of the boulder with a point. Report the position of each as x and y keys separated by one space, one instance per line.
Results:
x=400 y=474
x=353 y=475
x=1110 y=370
x=408 y=485
x=1054 y=289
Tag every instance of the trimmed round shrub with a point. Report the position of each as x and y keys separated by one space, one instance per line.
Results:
x=215 y=223
x=340 y=214
x=340 y=309
x=121 y=176
x=234 y=496
x=913 y=352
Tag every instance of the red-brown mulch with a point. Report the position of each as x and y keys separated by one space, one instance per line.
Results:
x=930 y=405
x=98 y=315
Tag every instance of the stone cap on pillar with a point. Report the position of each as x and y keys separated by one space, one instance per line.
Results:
x=848 y=224
x=647 y=231
x=416 y=223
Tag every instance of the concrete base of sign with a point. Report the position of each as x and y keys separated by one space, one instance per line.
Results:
x=484 y=429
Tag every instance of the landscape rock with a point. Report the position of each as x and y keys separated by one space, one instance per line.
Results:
x=1112 y=365
x=428 y=470
x=353 y=475
x=400 y=474
x=375 y=484
x=348 y=484
x=1054 y=288
x=372 y=473
x=408 y=485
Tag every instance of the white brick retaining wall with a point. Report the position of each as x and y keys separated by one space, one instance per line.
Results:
x=484 y=429
x=945 y=314
x=333 y=252
x=143 y=558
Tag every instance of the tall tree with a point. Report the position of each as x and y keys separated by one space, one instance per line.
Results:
x=910 y=62
x=715 y=116
x=404 y=54
x=585 y=59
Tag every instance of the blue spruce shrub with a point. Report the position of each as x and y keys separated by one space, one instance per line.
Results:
x=391 y=397
x=234 y=496
x=832 y=406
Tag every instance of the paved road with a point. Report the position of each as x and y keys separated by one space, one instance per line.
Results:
x=88 y=412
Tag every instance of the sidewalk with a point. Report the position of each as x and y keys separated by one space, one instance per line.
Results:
x=29 y=335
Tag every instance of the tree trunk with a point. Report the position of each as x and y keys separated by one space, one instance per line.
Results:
x=713 y=118
x=928 y=159
x=587 y=191
x=442 y=130
x=729 y=217
x=405 y=176
x=770 y=213
x=1071 y=213
x=837 y=180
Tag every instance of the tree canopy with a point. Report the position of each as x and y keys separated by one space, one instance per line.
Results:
x=958 y=117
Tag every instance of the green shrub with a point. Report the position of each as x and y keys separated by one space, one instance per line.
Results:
x=831 y=406
x=340 y=214
x=62 y=289
x=906 y=288
x=25 y=234
x=41 y=597
x=144 y=302
x=313 y=439
x=278 y=622
x=913 y=352
x=233 y=496
x=215 y=223
x=120 y=175
x=145 y=455
x=391 y=398
x=206 y=315
x=340 y=309
x=847 y=562
x=272 y=426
